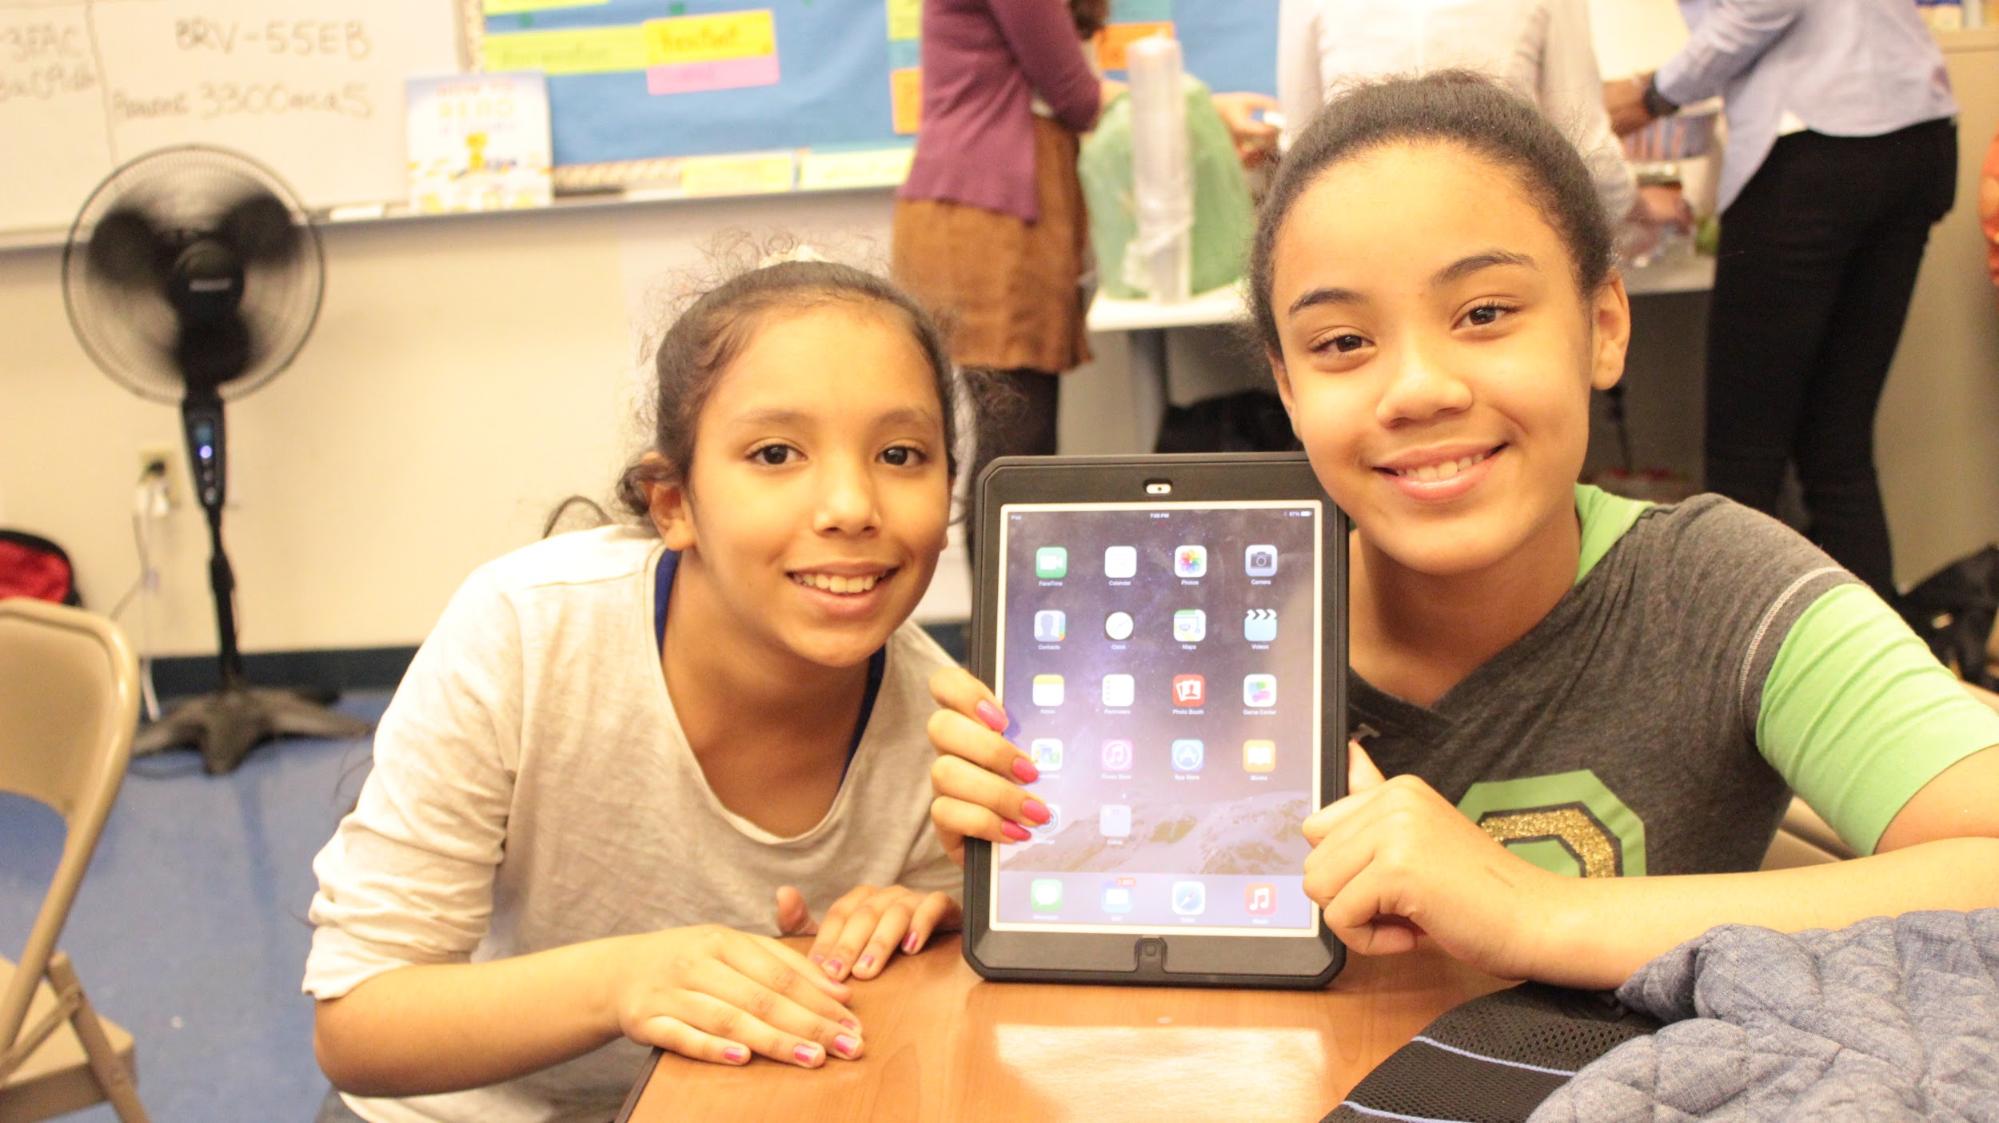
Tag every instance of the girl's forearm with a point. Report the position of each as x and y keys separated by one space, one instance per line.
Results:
x=1604 y=929
x=448 y=1027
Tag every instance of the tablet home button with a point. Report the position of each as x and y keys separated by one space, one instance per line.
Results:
x=1151 y=952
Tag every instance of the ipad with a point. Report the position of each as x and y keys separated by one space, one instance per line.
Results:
x=1167 y=635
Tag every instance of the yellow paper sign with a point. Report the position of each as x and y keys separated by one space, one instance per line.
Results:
x=710 y=38
x=1117 y=37
x=905 y=19
x=905 y=90
x=509 y=7
x=594 y=50
x=756 y=174
x=874 y=167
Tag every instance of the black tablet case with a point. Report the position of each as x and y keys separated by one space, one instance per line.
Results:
x=1148 y=959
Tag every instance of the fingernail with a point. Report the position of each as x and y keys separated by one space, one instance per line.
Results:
x=992 y=715
x=1025 y=771
x=832 y=968
x=1014 y=830
x=846 y=1045
x=910 y=943
x=807 y=1054
x=735 y=1054
x=866 y=962
x=851 y=1024
x=1034 y=811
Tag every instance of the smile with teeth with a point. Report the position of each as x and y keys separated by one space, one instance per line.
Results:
x=841 y=585
x=1429 y=473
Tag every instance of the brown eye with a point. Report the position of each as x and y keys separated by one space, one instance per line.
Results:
x=774 y=455
x=1485 y=315
x=901 y=456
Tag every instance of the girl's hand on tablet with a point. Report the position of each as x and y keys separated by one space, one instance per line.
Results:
x=715 y=994
x=1395 y=860
x=866 y=926
x=978 y=772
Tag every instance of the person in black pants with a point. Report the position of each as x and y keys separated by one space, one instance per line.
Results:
x=1817 y=263
x=1842 y=152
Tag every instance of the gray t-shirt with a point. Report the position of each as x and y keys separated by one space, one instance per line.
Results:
x=1707 y=662
x=532 y=788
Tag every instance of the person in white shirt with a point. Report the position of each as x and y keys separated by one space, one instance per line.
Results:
x=1541 y=49
x=627 y=759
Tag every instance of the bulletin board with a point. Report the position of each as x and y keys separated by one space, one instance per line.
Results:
x=743 y=96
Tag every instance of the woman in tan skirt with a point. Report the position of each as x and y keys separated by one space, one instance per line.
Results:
x=990 y=231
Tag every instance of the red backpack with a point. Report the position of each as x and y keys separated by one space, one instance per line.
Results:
x=33 y=566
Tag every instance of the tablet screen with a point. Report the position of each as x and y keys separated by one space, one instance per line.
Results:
x=1161 y=665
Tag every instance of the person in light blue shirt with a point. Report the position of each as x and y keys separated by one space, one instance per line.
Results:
x=1841 y=155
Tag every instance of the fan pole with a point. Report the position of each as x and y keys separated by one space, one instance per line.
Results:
x=201 y=421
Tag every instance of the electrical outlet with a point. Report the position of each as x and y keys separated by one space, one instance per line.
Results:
x=166 y=460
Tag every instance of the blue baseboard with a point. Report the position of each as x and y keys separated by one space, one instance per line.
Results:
x=357 y=668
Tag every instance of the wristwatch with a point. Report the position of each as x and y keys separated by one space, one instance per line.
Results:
x=1655 y=102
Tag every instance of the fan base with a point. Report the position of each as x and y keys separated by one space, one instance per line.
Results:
x=226 y=724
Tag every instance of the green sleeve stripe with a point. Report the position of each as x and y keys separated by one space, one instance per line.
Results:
x=1857 y=715
x=1605 y=518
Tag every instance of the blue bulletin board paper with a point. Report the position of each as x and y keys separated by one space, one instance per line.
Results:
x=819 y=77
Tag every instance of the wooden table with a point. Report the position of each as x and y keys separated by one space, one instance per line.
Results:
x=944 y=1045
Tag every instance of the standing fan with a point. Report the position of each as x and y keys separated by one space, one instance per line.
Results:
x=192 y=275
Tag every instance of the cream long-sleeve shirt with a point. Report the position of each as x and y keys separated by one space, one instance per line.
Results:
x=1540 y=48
x=532 y=788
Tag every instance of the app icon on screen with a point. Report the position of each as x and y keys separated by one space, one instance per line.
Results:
x=1190 y=625
x=1045 y=894
x=1114 y=820
x=1047 y=830
x=1190 y=561
x=1117 y=899
x=1119 y=691
x=1120 y=562
x=1190 y=692
x=1117 y=756
x=1190 y=898
x=1051 y=563
x=1046 y=753
x=1118 y=626
x=1259 y=692
x=1047 y=690
x=1259 y=898
x=1260 y=561
x=1259 y=756
x=1051 y=625
x=1188 y=755
x=1259 y=625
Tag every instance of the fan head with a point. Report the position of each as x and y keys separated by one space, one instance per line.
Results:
x=192 y=271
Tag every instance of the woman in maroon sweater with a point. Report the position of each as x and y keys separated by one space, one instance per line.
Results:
x=990 y=231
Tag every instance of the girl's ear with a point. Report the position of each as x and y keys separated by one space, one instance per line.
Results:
x=1610 y=336
x=668 y=505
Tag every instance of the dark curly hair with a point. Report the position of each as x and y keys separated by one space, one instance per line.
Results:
x=715 y=329
x=1458 y=107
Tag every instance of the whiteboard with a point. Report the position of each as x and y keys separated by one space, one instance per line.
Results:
x=311 y=88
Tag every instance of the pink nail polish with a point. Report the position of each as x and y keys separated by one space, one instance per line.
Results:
x=1014 y=831
x=1024 y=770
x=1034 y=811
x=806 y=1054
x=832 y=968
x=910 y=943
x=735 y=1054
x=866 y=962
x=994 y=718
x=851 y=1024
x=846 y=1045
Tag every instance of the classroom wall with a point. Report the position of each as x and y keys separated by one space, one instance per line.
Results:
x=468 y=373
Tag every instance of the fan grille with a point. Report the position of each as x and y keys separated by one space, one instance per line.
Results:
x=130 y=331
